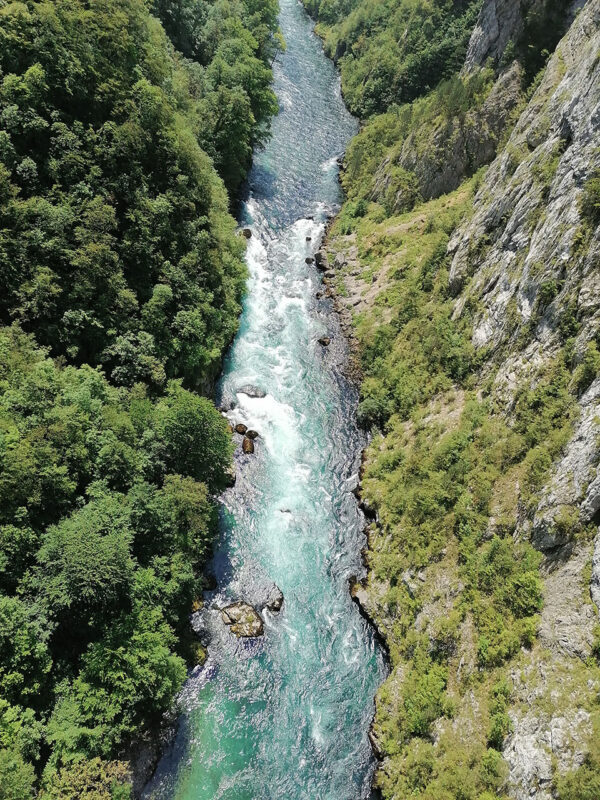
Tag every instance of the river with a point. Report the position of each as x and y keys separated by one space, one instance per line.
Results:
x=285 y=716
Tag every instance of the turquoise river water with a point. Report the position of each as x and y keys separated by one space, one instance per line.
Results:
x=285 y=716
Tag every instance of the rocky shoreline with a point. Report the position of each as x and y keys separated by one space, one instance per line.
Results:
x=330 y=262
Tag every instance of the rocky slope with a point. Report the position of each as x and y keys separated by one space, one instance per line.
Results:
x=494 y=689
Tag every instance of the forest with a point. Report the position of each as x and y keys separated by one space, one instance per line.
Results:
x=126 y=130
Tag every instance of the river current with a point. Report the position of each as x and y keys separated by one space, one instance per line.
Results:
x=285 y=716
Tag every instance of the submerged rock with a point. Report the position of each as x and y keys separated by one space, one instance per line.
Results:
x=247 y=445
x=243 y=620
x=241 y=428
x=252 y=391
x=309 y=260
x=209 y=582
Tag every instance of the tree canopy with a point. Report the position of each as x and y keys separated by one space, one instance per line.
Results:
x=126 y=130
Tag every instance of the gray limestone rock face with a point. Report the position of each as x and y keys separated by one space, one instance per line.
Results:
x=595 y=580
x=455 y=148
x=526 y=213
x=499 y=22
x=535 y=743
x=574 y=486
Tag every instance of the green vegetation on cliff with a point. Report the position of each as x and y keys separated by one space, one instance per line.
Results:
x=463 y=445
x=122 y=277
x=394 y=51
x=428 y=123
x=441 y=473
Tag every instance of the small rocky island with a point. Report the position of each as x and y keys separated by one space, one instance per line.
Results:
x=243 y=620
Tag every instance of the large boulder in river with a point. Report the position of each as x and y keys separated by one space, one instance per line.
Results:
x=243 y=620
x=251 y=434
x=247 y=446
x=241 y=428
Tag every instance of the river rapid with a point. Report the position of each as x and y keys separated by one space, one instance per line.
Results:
x=285 y=716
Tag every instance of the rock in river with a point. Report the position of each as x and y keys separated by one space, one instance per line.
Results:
x=247 y=445
x=247 y=233
x=243 y=619
x=241 y=428
x=321 y=259
x=252 y=434
x=325 y=341
x=275 y=599
x=252 y=391
x=230 y=476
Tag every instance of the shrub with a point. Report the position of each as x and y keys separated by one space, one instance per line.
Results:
x=589 y=368
x=580 y=784
x=547 y=292
x=590 y=200
x=89 y=780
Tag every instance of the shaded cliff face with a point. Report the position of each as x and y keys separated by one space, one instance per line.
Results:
x=476 y=322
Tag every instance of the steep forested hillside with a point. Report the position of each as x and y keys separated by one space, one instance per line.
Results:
x=121 y=284
x=473 y=297
x=393 y=51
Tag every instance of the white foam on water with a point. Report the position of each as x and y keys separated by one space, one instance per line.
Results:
x=330 y=164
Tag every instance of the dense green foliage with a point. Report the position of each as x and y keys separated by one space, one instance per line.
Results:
x=394 y=51
x=230 y=45
x=122 y=277
x=106 y=519
x=115 y=244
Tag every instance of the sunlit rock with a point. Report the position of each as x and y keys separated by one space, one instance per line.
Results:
x=243 y=620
